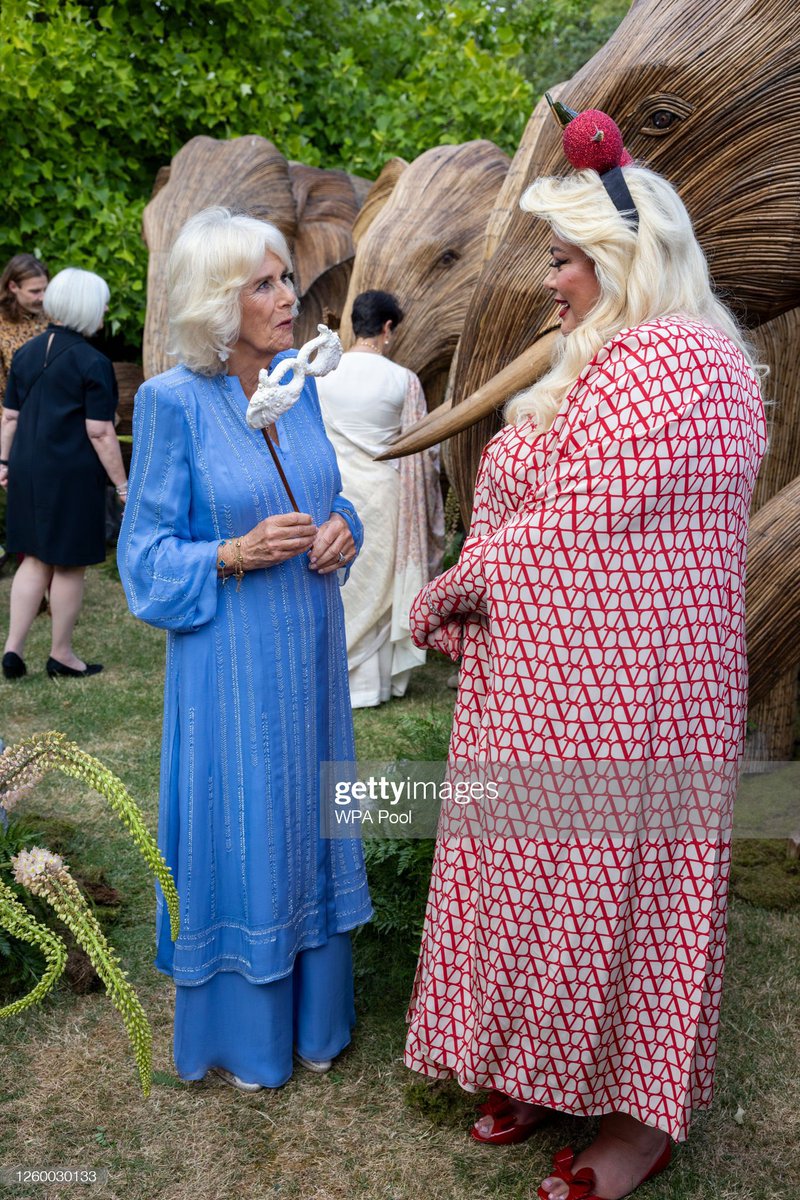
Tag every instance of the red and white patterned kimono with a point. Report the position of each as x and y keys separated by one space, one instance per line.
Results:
x=598 y=606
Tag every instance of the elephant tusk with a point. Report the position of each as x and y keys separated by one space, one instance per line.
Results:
x=447 y=420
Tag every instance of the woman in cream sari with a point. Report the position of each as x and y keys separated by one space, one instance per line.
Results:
x=366 y=402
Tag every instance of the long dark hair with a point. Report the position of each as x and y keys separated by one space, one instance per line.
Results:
x=17 y=270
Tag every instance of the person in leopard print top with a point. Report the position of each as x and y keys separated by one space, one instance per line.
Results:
x=22 y=288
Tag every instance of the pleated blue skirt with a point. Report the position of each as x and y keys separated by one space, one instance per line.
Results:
x=253 y=1029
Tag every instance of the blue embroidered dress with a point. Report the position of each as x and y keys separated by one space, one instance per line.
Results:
x=256 y=692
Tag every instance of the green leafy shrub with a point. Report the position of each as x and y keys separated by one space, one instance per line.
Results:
x=399 y=872
x=764 y=874
x=95 y=98
x=399 y=869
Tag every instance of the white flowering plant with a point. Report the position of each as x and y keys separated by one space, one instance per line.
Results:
x=46 y=875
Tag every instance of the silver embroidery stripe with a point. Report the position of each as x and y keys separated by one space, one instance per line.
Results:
x=190 y=816
x=270 y=849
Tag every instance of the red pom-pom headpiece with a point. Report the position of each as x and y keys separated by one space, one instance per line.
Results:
x=592 y=141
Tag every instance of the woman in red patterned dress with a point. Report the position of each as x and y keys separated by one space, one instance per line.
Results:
x=598 y=609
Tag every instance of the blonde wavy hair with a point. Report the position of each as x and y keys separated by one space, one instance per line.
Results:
x=659 y=271
x=215 y=254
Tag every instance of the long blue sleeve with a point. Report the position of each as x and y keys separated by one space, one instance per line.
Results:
x=169 y=576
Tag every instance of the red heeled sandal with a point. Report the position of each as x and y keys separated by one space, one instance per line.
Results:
x=508 y=1126
x=582 y=1181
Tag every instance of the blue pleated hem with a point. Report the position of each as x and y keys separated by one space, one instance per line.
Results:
x=254 y=1030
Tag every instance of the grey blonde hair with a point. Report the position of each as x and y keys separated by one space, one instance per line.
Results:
x=215 y=254
x=77 y=299
x=660 y=271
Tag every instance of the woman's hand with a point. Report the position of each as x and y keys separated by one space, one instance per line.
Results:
x=333 y=546
x=3 y=477
x=275 y=539
x=105 y=443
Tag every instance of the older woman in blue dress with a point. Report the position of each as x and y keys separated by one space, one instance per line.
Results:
x=256 y=680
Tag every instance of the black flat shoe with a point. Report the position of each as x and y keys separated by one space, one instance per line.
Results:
x=13 y=666
x=57 y=670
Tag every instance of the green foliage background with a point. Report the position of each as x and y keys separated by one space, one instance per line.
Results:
x=94 y=98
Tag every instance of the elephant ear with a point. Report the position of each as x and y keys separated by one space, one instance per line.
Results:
x=327 y=203
x=246 y=173
x=377 y=196
x=424 y=245
x=735 y=180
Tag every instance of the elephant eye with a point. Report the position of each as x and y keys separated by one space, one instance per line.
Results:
x=448 y=258
x=660 y=115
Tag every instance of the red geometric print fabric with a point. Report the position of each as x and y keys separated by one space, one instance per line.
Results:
x=598 y=609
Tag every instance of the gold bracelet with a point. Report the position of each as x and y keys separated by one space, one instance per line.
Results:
x=238 y=565
x=227 y=568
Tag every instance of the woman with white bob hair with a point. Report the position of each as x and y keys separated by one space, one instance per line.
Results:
x=255 y=700
x=58 y=448
x=574 y=941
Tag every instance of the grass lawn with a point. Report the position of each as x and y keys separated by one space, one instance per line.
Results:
x=69 y=1095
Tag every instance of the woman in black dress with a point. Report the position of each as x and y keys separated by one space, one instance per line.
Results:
x=57 y=446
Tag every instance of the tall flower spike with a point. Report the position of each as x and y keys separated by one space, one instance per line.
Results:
x=26 y=762
x=45 y=875
x=20 y=771
x=15 y=918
